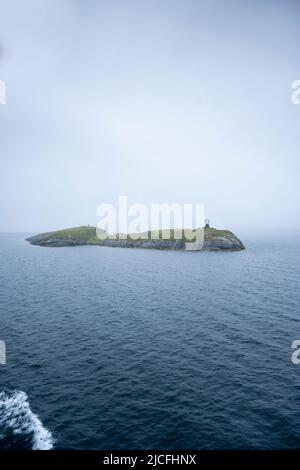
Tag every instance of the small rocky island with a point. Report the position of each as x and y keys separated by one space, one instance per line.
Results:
x=214 y=240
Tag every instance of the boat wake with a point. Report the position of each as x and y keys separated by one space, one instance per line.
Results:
x=20 y=428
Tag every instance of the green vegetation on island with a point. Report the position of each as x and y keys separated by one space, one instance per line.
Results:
x=214 y=240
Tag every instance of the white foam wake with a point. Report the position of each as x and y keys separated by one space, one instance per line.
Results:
x=15 y=414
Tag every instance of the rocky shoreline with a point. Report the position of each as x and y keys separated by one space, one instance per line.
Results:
x=214 y=240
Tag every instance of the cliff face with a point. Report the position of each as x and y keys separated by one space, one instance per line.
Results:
x=221 y=240
x=154 y=244
x=214 y=240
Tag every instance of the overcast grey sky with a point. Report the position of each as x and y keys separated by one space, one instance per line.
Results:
x=163 y=101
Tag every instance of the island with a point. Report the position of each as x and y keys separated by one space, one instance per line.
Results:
x=214 y=240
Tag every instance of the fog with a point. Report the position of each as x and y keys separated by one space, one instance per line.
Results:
x=162 y=101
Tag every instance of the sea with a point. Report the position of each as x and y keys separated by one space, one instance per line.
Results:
x=113 y=348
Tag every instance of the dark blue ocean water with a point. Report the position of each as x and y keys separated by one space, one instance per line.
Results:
x=109 y=348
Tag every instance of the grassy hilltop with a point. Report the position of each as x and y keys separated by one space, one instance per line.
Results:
x=214 y=240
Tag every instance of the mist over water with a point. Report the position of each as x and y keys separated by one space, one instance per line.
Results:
x=122 y=349
x=166 y=102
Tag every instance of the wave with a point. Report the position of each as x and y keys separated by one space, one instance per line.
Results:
x=20 y=427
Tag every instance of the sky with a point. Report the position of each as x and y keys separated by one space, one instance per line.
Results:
x=164 y=101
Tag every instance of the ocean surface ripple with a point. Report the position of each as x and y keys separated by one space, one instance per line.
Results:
x=111 y=348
